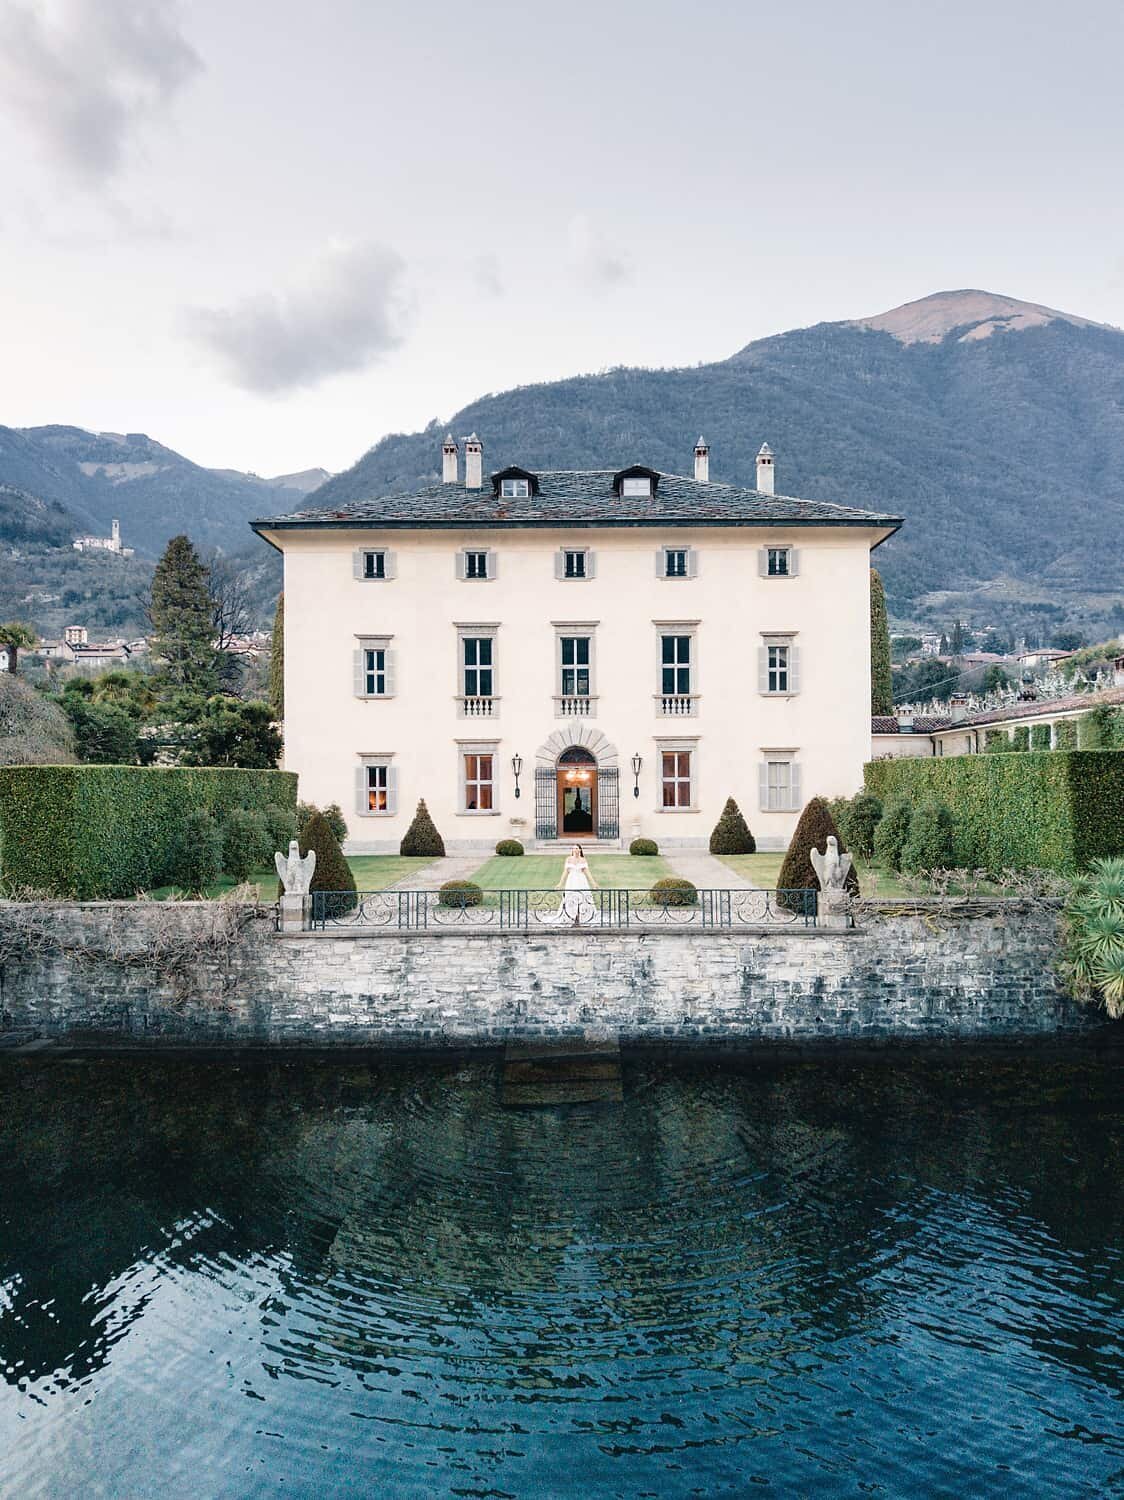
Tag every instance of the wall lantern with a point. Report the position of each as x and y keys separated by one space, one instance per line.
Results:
x=516 y=769
x=637 y=762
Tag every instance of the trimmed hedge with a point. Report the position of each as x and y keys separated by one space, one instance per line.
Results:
x=645 y=848
x=1040 y=736
x=509 y=848
x=1052 y=810
x=95 y=832
x=674 y=890
x=460 y=893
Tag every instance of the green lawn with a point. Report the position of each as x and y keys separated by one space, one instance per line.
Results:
x=628 y=872
x=521 y=872
x=373 y=872
x=764 y=870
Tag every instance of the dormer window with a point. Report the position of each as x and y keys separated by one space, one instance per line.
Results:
x=636 y=489
x=515 y=489
x=514 y=483
x=635 y=483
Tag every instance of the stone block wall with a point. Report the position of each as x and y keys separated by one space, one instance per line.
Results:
x=905 y=976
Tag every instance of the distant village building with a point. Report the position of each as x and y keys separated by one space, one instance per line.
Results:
x=960 y=733
x=76 y=649
x=110 y=543
x=576 y=654
x=1041 y=657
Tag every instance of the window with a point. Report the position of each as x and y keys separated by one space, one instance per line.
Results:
x=573 y=564
x=373 y=564
x=675 y=778
x=779 y=774
x=636 y=488
x=777 y=562
x=377 y=787
x=374 y=668
x=479 y=665
x=676 y=562
x=675 y=665
x=515 y=489
x=778 y=666
x=476 y=563
x=479 y=781
x=575 y=654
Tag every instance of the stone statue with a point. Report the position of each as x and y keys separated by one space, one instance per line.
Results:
x=831 y=867
x=296 y=873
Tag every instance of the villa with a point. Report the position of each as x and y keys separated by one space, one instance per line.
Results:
x=590 y=654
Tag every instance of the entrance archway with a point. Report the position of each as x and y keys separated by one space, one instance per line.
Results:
x=576 y=791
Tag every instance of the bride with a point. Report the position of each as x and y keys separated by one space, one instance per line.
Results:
x=576 y=907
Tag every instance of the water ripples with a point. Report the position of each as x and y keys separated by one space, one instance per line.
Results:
x=356 y=1279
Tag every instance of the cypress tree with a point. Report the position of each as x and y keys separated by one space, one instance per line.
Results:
x=731 y=833
x=812 y=832
x=881 y=677
x=182 y=614
x=277 y=662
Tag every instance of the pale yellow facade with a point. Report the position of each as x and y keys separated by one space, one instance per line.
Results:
x=424 y=725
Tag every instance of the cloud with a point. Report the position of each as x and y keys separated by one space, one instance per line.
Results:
x=86 y=75
x=345 y=314
x=487 y=275
x=592 y=259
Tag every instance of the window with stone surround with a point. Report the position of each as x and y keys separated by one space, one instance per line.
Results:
x=778 y=669
x=478 y=792
x=375 y=667
x=376 y=786
x=779 y=781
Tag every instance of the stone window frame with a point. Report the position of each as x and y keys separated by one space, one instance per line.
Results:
x=477 y=747
x=778 y=756
x=678 y=745
x=589 y=564
x=793 y=561
x=688 y=628
x=491 y=565
x=571 y=629
x=359 y=565
x=375 y=641
x=690 y=561
x=381 y=759
x=774 y=640
x=477 y=630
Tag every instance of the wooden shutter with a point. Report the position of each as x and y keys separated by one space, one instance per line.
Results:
x=795 y=800
x=762 y=669
x=794 y=669
x=591 y=564
x=560 y=563
x=390 y=564
x=460 y=562
x=762 y=562
x=763 y=785
x=491 y=564
x=392 y=789
x=692 y=562
x=360 y=675
x=361 y=790
x=661 y=563
x=357 y=564
x=793 y=562
x=390 y=673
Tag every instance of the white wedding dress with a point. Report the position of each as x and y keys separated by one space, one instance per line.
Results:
x=577 y=902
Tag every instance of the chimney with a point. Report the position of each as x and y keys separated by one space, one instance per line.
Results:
x=702 y=461
x=473 y=463
x=449 y=460
x=765 y=474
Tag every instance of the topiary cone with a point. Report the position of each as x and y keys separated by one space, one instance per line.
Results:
x=421 y=839
x=731 y=833
x=815 y=827
x=332 y=872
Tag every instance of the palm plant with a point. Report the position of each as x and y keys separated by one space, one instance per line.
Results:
x=1093 y=953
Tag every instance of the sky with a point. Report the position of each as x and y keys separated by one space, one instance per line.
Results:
x=267 y=233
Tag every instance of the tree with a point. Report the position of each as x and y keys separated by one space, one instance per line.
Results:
x=1067 y=640
x=17 y=637
x=994 y=678
x=956 y=644
x=182 y=613
x=104 y=734
x=422 y=838
x=277 y=662
x=34 y=731
x=944 y=646
x=231 y=615
x=881 y=681
x=332 y=872
x=816 y=825
x=731 y=833
x=231 y=732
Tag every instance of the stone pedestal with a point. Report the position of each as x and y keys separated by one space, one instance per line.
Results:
x=293 y=913
x=833 y=909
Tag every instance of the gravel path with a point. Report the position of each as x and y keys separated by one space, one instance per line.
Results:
x=453 y=867
x=707 y=872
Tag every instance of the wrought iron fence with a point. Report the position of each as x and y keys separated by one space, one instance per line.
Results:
x=524 y=911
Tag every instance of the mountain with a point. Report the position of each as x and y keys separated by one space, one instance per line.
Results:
x=996 y=427
x=155 y=491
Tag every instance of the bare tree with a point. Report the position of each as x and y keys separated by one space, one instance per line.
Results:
x=232 y=614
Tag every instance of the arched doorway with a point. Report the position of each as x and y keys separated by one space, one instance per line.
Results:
x=576 y=792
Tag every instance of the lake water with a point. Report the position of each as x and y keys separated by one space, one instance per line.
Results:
x=890 y=1276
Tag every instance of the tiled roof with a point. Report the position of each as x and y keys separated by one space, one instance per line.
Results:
x=1044 y=706
x=582 y=497
x=884 y=724
x=888 y=724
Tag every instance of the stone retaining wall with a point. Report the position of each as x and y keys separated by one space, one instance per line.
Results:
x=919 y=975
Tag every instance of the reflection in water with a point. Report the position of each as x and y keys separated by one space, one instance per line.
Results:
x=899 y=1276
